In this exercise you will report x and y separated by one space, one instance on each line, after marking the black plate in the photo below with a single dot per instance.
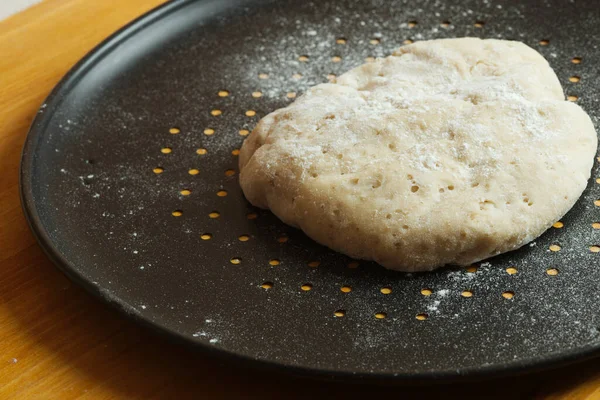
106 219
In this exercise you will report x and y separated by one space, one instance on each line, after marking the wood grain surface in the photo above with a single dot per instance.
56 341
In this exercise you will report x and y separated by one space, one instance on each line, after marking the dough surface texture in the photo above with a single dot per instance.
446 152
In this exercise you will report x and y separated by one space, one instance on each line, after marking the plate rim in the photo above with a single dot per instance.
28 203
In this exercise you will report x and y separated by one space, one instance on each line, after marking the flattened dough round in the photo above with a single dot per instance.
447 152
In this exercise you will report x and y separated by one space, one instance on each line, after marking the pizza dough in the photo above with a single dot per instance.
447 152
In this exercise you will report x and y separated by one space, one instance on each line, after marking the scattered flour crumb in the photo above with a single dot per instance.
434 306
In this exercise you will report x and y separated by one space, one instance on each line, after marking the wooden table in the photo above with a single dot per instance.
58 342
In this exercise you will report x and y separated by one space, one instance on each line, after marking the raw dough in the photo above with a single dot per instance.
447 152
